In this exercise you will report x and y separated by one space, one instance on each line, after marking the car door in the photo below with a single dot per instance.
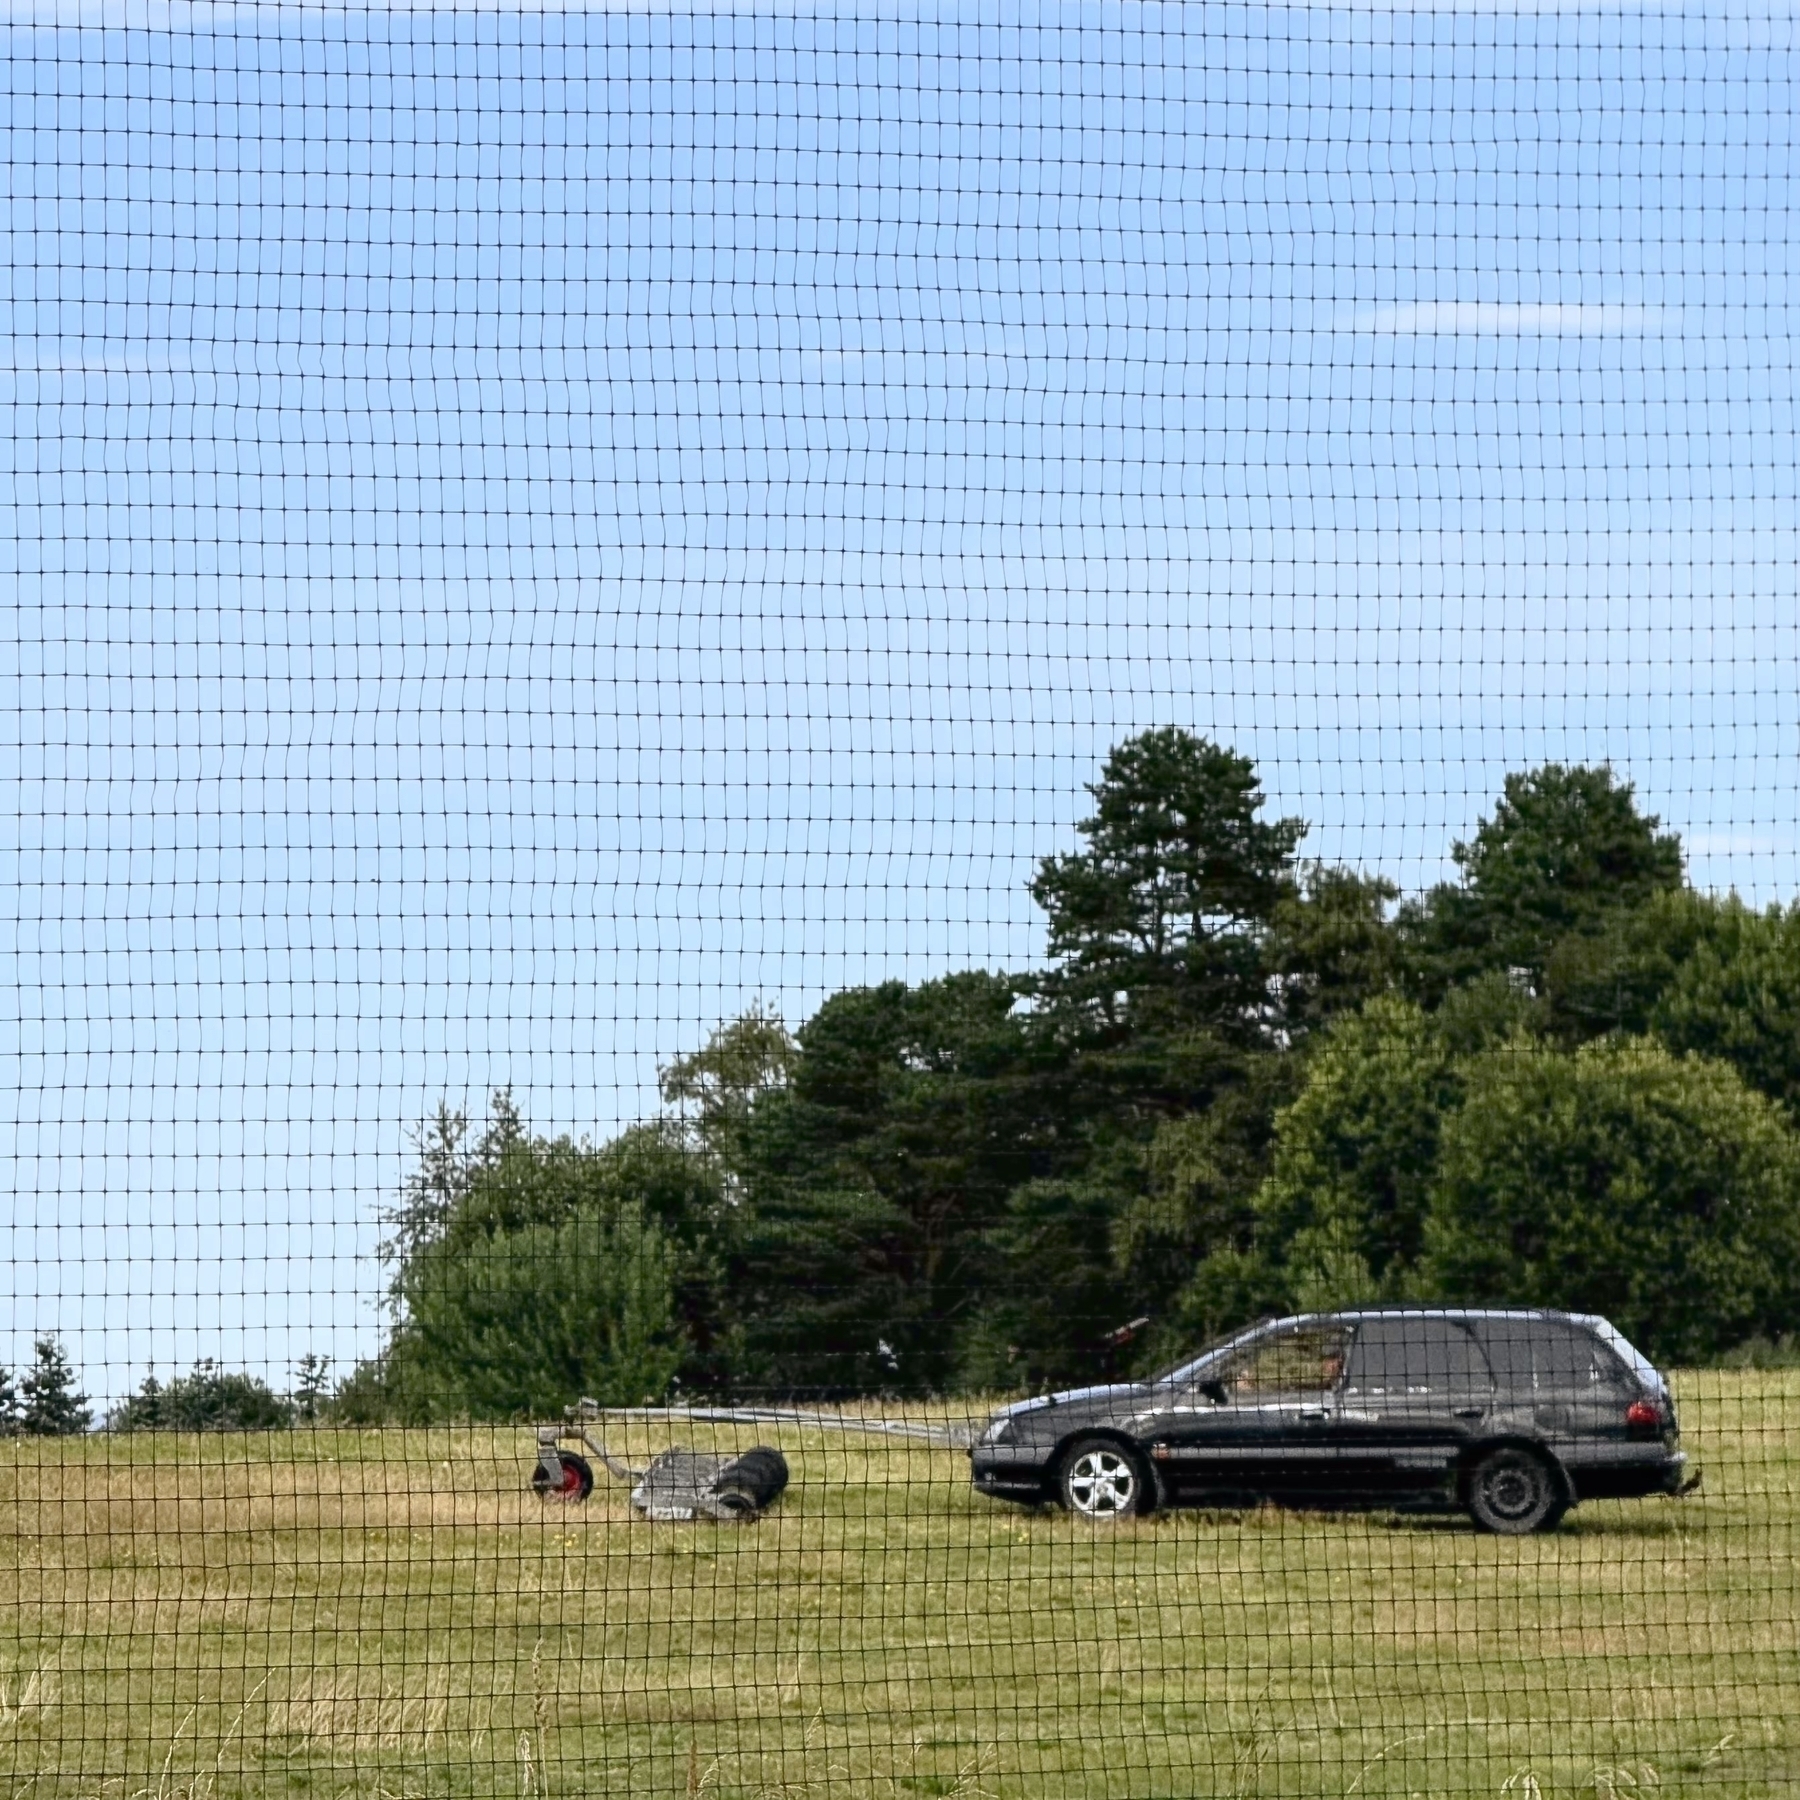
1417 1389
1561 1383
1258 1425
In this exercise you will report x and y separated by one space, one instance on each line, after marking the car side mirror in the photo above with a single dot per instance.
1214 1390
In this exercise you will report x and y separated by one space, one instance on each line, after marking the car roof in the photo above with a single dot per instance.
1355 1315
1463 1314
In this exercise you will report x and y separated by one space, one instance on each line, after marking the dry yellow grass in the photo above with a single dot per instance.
340 1613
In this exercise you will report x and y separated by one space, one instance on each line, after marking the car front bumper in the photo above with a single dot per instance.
1011 1471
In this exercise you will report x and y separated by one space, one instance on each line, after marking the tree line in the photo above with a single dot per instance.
1242 1082
44 1400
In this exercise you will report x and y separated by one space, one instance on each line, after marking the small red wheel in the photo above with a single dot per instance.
576 1484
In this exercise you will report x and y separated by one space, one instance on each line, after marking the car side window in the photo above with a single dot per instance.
1545 1354
1308 1360
1392 1358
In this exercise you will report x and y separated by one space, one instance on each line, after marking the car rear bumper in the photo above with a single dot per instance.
1670 1473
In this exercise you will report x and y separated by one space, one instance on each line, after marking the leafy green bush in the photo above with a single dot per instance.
1760 1352
524 1322
1431 1157
207 1399
1343 1211
1737 998
1660 1190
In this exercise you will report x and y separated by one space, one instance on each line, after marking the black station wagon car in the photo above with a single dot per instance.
1514 1415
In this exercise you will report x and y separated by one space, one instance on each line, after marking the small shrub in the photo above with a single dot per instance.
209 1399
1781 1351
49 1404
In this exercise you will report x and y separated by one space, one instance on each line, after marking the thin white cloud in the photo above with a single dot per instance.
1498 318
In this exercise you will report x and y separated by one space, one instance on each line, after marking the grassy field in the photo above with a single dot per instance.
345 1613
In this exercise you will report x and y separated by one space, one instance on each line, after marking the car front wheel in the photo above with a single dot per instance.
1102 1481
1514 1491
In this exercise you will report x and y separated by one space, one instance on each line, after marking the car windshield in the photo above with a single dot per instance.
1191 1367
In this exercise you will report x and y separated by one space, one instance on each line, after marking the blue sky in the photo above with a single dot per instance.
521 531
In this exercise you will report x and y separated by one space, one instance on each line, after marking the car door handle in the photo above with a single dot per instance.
1470 1412
1316 1413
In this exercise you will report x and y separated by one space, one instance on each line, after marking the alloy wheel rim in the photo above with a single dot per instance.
1102 1483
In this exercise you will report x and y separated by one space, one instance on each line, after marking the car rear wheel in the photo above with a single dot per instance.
1102 1480
1514 1491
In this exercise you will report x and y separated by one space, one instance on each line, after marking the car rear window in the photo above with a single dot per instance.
1548 1353
1392 1357
1633 1358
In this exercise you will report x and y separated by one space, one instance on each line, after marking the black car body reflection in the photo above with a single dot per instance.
1514 1415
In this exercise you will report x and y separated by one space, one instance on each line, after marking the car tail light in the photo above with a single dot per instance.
1644 1413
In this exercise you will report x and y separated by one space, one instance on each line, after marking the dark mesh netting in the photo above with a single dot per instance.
899 901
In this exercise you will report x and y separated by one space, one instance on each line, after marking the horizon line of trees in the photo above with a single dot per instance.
1243 1082
44 1400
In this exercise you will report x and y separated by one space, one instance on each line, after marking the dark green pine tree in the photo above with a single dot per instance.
52 1407
1565 853
871 1179
312 1387
1186 951
1160 919
10 1420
